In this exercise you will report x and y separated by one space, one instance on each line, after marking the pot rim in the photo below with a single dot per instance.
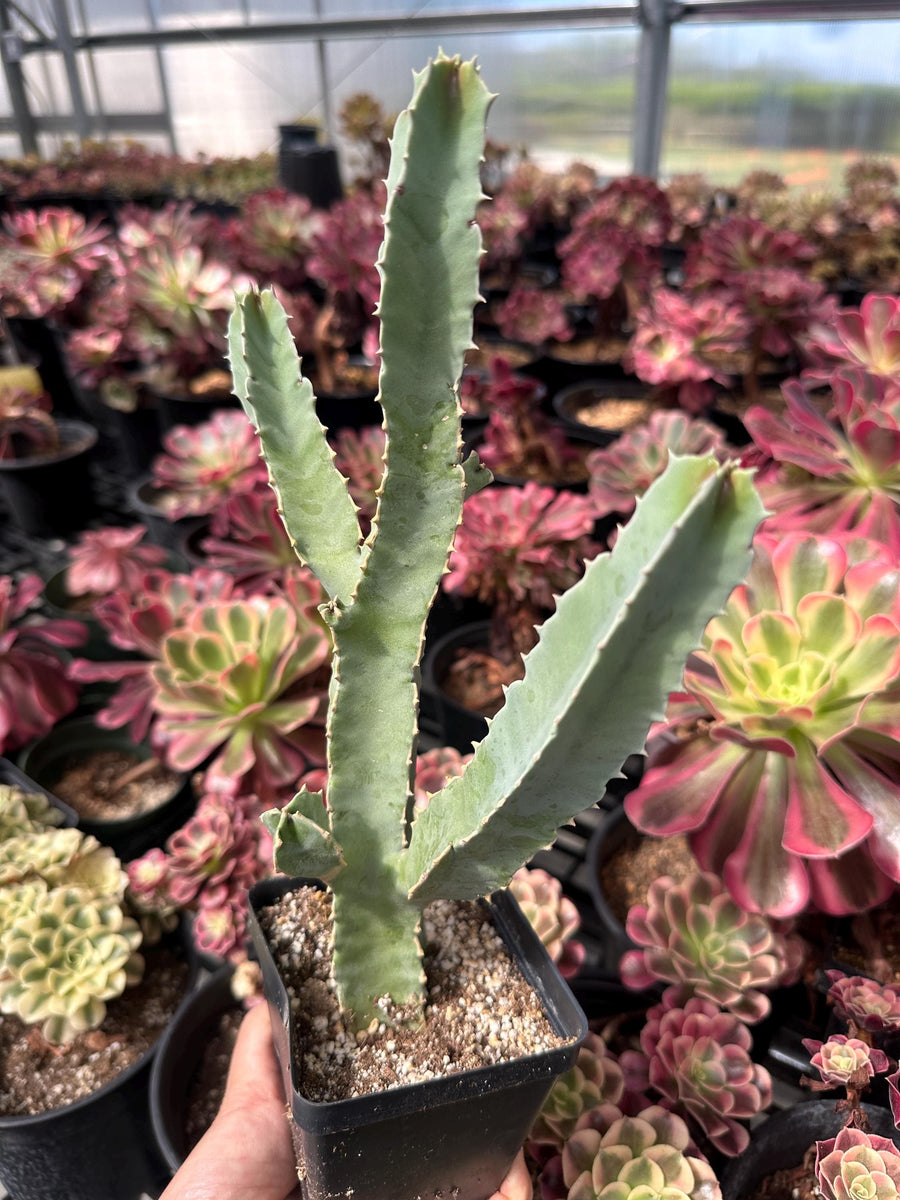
560 1006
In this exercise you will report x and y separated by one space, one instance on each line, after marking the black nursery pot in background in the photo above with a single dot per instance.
453 1136
177 1058
98 1148
51 495
459 727
45 760
782 1140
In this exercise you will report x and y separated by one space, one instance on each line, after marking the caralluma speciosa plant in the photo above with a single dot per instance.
556 741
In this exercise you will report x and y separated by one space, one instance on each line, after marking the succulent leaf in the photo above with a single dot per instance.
281 406
471 838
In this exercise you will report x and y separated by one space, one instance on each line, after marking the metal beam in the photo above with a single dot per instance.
652 82
11 57
790 10
62 123
422 24
324 79
65 43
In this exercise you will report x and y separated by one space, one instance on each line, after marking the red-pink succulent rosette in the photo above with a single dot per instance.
837 474
34 690
841 1060
783 759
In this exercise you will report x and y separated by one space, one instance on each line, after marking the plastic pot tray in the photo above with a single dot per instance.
453 1136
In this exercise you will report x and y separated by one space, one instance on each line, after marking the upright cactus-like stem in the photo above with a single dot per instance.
586 702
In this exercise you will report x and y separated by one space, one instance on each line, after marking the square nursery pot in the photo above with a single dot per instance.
453 1136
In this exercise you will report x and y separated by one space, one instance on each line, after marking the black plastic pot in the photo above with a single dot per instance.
99 1148
452 1136
136 433
559 372
38 340
130 837
160 530
348 410
58 603
568 400
782 1140
460 727
610 835
175 410
177 1057
312 171
51 495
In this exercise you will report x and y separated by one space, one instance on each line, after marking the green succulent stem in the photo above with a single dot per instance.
605 662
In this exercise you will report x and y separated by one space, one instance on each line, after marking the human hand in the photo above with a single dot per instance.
246 1154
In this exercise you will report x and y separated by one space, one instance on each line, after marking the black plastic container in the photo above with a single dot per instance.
782 1140
51 495
38 341
567 401
177 1057
131 836
136 434
452 1136
312 171
58 603
610 835
348 410
160 530
460 727
175 410
99 1148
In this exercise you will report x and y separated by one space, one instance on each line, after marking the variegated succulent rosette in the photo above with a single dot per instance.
67 942
833 474
694 935
785 763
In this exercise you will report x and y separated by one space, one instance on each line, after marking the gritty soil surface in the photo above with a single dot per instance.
615 413
476 681
607 349
479 1009
216 384
81 604
207 1086
567 475
482 356
627 874
352 379
791 1183
36 1077
868 943
110 785
736 403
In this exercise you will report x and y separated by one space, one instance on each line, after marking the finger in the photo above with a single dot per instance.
253 1076
246 1154
517 1184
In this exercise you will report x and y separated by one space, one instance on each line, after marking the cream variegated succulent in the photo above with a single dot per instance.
595 1079
636 1158
66 957
693 934
61 857
25 812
